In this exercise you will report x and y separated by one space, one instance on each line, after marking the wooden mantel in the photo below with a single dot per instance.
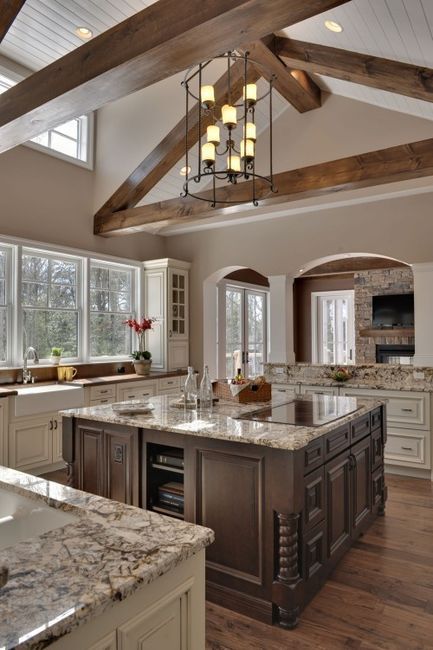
391 332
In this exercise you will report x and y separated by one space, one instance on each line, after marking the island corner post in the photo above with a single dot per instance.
282 519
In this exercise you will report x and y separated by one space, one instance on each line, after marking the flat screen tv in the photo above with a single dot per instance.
393 311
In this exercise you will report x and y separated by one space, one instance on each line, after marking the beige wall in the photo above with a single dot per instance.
48 200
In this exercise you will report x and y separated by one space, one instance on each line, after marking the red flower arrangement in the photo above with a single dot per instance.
140 327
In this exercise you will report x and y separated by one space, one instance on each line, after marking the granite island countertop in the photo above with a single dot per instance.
65 577
222 423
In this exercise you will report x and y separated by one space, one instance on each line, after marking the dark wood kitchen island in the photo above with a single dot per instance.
286 501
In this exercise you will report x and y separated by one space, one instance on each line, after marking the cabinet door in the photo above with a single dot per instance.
164 627
178 355
155 300
338 496
178 304
361 484
90 454
121 458
57 439
30 443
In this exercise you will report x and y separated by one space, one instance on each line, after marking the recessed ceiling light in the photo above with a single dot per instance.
333 26
185 170
84 32
301 270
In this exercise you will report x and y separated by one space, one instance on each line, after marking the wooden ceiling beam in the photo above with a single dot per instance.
399 163
149 46
294 85
172 148
9 10
375 72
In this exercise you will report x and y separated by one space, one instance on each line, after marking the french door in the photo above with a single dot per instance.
242 330
333 327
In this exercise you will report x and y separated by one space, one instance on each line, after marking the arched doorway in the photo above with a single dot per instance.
336 302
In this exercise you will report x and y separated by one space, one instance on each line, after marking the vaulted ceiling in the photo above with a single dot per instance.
398 30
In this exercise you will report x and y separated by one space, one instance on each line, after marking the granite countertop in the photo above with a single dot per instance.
420 387
63 578
221 424
7 392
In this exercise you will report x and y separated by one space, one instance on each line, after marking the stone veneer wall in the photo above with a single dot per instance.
375 283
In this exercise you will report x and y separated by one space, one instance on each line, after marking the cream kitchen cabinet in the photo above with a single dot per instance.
35 442
4 431
167 614
166 290
318 390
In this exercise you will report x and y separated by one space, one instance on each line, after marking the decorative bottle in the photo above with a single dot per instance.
206 391
191 386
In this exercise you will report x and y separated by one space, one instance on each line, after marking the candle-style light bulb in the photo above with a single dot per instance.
233 164
229 115
247 150
250 131
207 96
213 134
250 94
208 154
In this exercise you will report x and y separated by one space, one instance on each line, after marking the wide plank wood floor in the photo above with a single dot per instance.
380 595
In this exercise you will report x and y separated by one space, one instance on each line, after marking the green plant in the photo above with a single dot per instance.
141 355
56 352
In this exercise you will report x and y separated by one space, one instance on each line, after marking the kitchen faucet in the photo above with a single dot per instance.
30 353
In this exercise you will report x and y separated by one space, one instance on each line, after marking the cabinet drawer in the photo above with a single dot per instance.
170 391
136 390
337 441
405 409
406 449
376 419
97 392
313 456
318 390
169 383
360 428
102 400
288 390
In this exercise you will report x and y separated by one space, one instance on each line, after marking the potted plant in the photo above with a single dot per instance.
55 357
142 357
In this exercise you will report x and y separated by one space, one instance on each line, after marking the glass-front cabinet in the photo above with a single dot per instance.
166 299
178 303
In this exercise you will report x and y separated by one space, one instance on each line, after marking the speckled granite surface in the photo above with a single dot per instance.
63 578
222 423
379 376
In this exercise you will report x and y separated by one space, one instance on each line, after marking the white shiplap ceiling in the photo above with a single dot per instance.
44 30
393 29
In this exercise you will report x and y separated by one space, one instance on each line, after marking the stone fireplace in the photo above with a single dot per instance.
374 283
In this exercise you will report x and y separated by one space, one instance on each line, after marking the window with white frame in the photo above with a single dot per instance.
4 305
112 301
72 140
50 288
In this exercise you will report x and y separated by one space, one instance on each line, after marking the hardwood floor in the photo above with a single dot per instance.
380 595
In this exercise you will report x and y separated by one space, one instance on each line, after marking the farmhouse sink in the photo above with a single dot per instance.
22 518
32 400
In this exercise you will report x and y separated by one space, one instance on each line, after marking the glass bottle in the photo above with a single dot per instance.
191 386
206 391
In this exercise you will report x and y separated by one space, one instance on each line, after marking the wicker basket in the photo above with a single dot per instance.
263 393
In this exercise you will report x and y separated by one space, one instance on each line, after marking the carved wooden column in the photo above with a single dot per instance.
287 563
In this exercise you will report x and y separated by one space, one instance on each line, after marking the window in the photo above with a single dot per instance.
111 303
72 140
4 305
333 327
50 303
243 330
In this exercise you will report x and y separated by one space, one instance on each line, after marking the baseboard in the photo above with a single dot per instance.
256 608
411 472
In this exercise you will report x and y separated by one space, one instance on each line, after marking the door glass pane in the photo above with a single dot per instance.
233 331
256 305
335 329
